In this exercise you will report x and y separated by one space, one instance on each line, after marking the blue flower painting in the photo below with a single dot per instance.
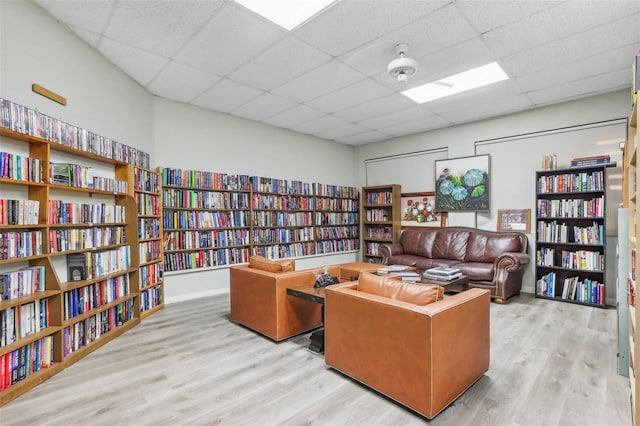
462 184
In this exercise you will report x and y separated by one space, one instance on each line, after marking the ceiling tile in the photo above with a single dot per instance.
140 65
89 16
91 38
349 24
161 29
321 123
349 96
226 95
488 109
321 80
403 116
363 138
488 15
418 126
342 131
294 116
230 39
288 59
375 108
181 83
262 107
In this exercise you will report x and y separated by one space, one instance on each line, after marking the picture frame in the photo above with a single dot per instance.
462 184
514 220
418 211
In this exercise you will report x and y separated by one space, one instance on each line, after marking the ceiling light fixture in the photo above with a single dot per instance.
458 83
286 13
402 68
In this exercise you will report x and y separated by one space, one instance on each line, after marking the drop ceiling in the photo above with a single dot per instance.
328 78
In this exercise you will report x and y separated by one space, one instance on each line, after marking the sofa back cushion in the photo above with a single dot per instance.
487 246
392 288
450 243
264 264
418 242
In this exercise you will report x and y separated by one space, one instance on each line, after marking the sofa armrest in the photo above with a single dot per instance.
388 250
512 261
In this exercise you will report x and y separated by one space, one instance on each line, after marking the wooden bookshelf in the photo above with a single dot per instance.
570 235
336 218
63 197
381 219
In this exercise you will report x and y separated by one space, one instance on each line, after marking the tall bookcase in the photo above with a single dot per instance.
630 200
145 187
336 218
381 216
570 235
68 255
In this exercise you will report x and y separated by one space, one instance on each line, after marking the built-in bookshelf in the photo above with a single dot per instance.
214 220
570 235
68 246
381 219
629 201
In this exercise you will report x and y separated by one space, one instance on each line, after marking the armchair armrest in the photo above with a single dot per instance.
388 250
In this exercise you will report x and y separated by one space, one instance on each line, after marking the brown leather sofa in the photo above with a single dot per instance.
422 356
495 261
259 299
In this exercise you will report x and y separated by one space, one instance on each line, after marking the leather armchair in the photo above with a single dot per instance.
423 357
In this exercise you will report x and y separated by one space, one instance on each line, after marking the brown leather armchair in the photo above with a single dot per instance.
423 357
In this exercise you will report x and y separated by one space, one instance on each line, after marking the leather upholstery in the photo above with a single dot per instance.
393 288
491 260
260 302
423 357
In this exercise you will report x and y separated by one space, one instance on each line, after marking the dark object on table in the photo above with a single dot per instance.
324 280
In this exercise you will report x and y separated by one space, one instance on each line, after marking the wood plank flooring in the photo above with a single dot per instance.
551 364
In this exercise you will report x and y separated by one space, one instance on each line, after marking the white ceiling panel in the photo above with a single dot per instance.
140 65
503 89
232 37
363 138
288 59
375 108
488 109
91 38
181 83
294 116
487 15
319 124
349 96
396 118
428 123
89 16
225 96
342 131
262 107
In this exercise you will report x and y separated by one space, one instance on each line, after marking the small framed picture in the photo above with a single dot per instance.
514 220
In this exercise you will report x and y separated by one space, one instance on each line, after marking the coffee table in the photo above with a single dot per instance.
457 284
309 292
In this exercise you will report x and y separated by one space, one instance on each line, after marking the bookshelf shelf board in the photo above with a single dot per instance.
570 244
85 250
149 286
151 262
5 304
560 268
150 311
87 225
70 285
22 259
23 386
102 340
87 190
10 227
146 240
22 182
140 191
22 341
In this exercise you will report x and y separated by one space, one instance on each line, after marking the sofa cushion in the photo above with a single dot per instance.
450 244
264 264
392 288
487 247
477 271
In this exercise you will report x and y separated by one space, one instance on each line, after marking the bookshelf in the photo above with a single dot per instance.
381 216
570 235
629 201
145 187
68 246
336 218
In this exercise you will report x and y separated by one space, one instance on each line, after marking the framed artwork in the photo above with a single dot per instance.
418 211
462 184
514 220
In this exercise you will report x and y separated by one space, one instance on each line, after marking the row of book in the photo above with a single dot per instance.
145 180
150 251
571 208
82 333
595 160
380 233
21 363
204 180
580 259
186 240
90 265
20 167
372 249
554 232
442 273
67 239
25 120
276 218
151 274
336 191
336 232
571 288
79 176
19 212
18 322
148 205
382 197
337 204
180 219
23 282
549 162
571 182
61 212
280 186
184 198
148 227
376 215
20 244
274 236
336 218
82 300
336 246
283 251
281 202
150 298
180 261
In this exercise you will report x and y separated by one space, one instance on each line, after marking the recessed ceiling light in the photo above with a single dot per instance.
286 13
458 83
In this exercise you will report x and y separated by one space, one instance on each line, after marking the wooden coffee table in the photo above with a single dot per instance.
457 284
309 292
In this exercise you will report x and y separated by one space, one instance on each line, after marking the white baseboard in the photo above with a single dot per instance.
192 296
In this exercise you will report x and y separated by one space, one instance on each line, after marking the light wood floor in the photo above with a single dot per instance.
551 364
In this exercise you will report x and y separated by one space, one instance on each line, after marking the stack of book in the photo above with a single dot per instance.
392 269
591 161
442 273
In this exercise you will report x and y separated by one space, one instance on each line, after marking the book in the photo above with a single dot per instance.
443 271
438 277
